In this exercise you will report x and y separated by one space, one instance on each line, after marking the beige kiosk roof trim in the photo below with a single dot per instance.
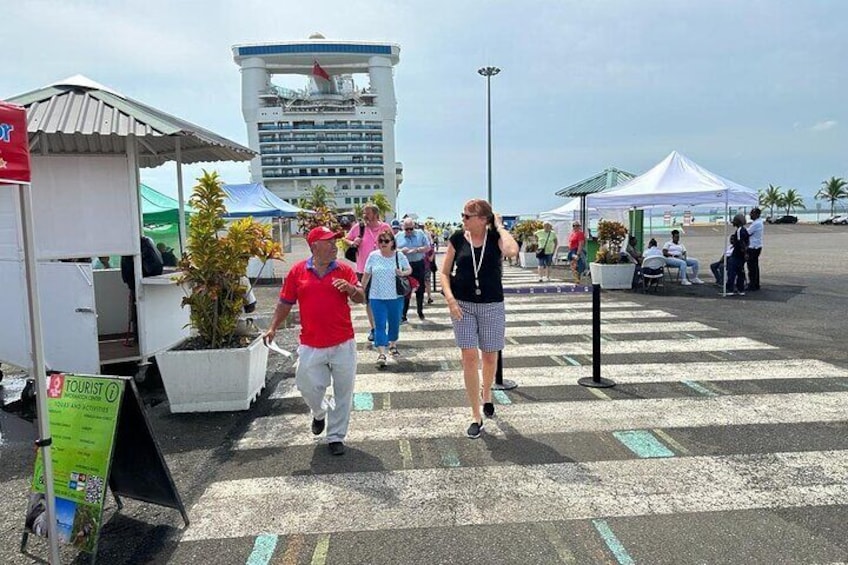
80 116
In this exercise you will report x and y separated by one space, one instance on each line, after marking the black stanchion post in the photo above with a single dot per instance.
596 381
501 383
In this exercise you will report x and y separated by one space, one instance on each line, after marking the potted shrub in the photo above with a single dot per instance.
524 231
607 268
221 366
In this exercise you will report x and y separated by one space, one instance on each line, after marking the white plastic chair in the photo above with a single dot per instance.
657 264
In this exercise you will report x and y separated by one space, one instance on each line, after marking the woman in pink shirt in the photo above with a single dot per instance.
366 242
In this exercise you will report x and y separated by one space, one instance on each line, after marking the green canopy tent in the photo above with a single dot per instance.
161 217
158 209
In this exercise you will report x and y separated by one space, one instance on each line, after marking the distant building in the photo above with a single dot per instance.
332 132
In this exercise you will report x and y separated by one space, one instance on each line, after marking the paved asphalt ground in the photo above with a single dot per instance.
725 440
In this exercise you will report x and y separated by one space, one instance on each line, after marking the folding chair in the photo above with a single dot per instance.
653 271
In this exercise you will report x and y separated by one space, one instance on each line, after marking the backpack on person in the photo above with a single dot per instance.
352 250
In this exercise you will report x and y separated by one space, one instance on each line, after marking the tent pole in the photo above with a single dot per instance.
181 227
38 371
724 245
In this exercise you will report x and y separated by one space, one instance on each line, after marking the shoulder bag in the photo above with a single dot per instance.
350 252
403 285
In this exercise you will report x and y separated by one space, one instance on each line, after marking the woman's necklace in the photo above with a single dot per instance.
477 265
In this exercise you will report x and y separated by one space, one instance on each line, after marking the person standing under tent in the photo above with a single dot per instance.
739 240
475 297
755 232
576 250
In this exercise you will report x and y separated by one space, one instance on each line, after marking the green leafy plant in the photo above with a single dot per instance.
525 230
611 234
215 262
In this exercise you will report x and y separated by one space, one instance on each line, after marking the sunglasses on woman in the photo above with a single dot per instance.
384 240
467 216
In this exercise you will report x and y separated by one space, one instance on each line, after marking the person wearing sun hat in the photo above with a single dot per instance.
323 289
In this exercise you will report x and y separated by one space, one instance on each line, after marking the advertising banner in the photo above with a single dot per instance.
14 145
84 413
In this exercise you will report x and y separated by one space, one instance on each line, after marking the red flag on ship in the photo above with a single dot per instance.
14 144
319 72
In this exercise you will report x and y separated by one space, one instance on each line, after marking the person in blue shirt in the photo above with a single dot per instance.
414 243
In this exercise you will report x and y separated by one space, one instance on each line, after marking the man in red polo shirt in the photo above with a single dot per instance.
322 287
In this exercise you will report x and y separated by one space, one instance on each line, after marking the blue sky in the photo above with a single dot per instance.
754 91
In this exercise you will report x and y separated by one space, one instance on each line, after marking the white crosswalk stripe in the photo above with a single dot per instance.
585 348
564 417
431 381
421 332
452 497
444 315
724 382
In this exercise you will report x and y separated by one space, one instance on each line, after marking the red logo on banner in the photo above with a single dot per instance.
56 386
14 144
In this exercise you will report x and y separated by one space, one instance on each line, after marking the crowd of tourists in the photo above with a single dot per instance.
395 262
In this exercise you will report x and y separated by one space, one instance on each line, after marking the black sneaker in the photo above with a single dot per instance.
317 426
420 315
371 335
488 409
336 448
475 429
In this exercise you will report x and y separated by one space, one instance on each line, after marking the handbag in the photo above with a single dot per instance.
403 286
351 251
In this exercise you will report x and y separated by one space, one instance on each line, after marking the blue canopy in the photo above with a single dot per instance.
255 200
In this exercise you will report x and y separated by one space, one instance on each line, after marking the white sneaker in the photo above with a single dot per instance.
696 280
684 282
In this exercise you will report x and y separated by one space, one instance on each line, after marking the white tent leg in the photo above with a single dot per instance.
37 370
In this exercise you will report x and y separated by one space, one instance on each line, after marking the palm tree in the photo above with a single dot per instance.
771 198
319 197
833 191
791 199
382 204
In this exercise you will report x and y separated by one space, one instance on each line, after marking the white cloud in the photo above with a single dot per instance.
824 125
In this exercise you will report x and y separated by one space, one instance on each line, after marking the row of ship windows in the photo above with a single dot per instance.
322 150
278 173
272 126
287 161
288 138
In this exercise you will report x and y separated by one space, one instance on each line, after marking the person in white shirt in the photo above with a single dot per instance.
652 250
755 247
675 256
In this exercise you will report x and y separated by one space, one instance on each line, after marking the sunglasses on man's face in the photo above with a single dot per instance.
408 229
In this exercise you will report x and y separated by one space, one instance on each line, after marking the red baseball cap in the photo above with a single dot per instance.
321 233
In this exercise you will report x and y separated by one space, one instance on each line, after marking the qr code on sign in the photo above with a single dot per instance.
93 489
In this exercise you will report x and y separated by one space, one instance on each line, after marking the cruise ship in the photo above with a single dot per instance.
332 132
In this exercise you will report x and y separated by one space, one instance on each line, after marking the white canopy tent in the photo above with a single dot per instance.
562 217
675 181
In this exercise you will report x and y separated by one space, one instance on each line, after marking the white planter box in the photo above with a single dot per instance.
613 277
528 260
214 380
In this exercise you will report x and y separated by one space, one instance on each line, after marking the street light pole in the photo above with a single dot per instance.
489 72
